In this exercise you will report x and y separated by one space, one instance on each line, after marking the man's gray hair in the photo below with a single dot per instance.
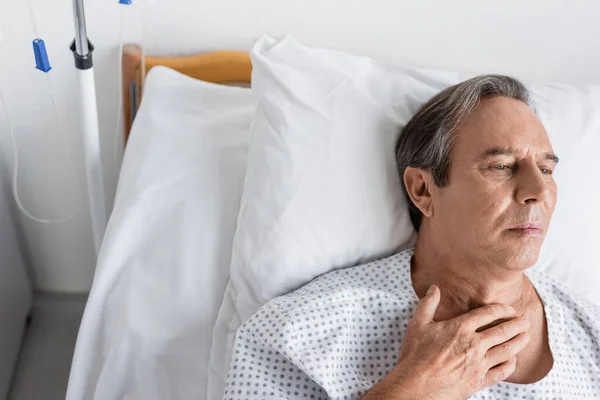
426 141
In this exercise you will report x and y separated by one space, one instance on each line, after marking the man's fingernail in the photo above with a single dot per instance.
431 289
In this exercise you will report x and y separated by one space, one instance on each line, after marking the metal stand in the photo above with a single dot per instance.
82 51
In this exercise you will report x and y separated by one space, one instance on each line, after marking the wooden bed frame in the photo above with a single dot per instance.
216 67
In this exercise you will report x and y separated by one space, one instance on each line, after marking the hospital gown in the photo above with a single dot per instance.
336 337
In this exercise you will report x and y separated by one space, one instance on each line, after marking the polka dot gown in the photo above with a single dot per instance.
337 336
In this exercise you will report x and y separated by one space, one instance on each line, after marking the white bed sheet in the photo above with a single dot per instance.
164 263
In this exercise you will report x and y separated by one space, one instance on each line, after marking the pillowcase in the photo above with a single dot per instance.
322 191
164 264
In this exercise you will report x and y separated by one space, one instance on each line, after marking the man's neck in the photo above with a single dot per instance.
467 284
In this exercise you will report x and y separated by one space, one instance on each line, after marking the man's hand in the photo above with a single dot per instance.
451 359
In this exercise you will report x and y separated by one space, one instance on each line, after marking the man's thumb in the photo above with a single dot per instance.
427 306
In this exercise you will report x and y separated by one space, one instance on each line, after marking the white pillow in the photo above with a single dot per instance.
322 189
147 329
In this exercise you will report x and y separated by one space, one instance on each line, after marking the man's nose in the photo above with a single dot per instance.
533 185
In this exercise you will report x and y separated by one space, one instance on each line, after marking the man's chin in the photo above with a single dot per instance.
520 257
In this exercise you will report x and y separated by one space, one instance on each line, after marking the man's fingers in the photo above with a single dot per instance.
427 306
501 372
501 333
506 351
485 315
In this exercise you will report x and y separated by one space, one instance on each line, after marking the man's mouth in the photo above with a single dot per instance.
530 228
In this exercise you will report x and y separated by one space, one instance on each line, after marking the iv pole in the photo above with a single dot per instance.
82 51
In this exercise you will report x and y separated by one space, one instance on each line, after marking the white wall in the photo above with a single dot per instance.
540 40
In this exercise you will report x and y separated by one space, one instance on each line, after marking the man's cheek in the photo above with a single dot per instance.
485 212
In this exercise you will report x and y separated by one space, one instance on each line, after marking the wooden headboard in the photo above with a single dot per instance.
215 67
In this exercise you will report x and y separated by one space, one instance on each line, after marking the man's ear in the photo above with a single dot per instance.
418 185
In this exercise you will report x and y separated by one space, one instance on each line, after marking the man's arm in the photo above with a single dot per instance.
259 369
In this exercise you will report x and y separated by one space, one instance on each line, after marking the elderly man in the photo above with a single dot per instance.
457 316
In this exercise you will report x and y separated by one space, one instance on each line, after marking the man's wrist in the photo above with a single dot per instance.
398 385
408 383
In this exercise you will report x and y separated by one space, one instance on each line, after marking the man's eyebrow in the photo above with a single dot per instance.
507 151
552 157
498 151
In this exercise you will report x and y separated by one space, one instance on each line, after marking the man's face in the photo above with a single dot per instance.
501 195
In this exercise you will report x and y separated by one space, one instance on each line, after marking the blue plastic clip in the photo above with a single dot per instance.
41 56
125 2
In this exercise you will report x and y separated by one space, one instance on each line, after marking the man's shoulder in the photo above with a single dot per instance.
558 290
383 277
375 284
572 304
360 311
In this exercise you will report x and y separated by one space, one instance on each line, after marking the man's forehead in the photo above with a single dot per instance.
502 125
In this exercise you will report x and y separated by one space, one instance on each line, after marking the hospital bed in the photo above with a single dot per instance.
163 272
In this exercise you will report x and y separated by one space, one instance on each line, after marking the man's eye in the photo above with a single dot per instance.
502 167
546 171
